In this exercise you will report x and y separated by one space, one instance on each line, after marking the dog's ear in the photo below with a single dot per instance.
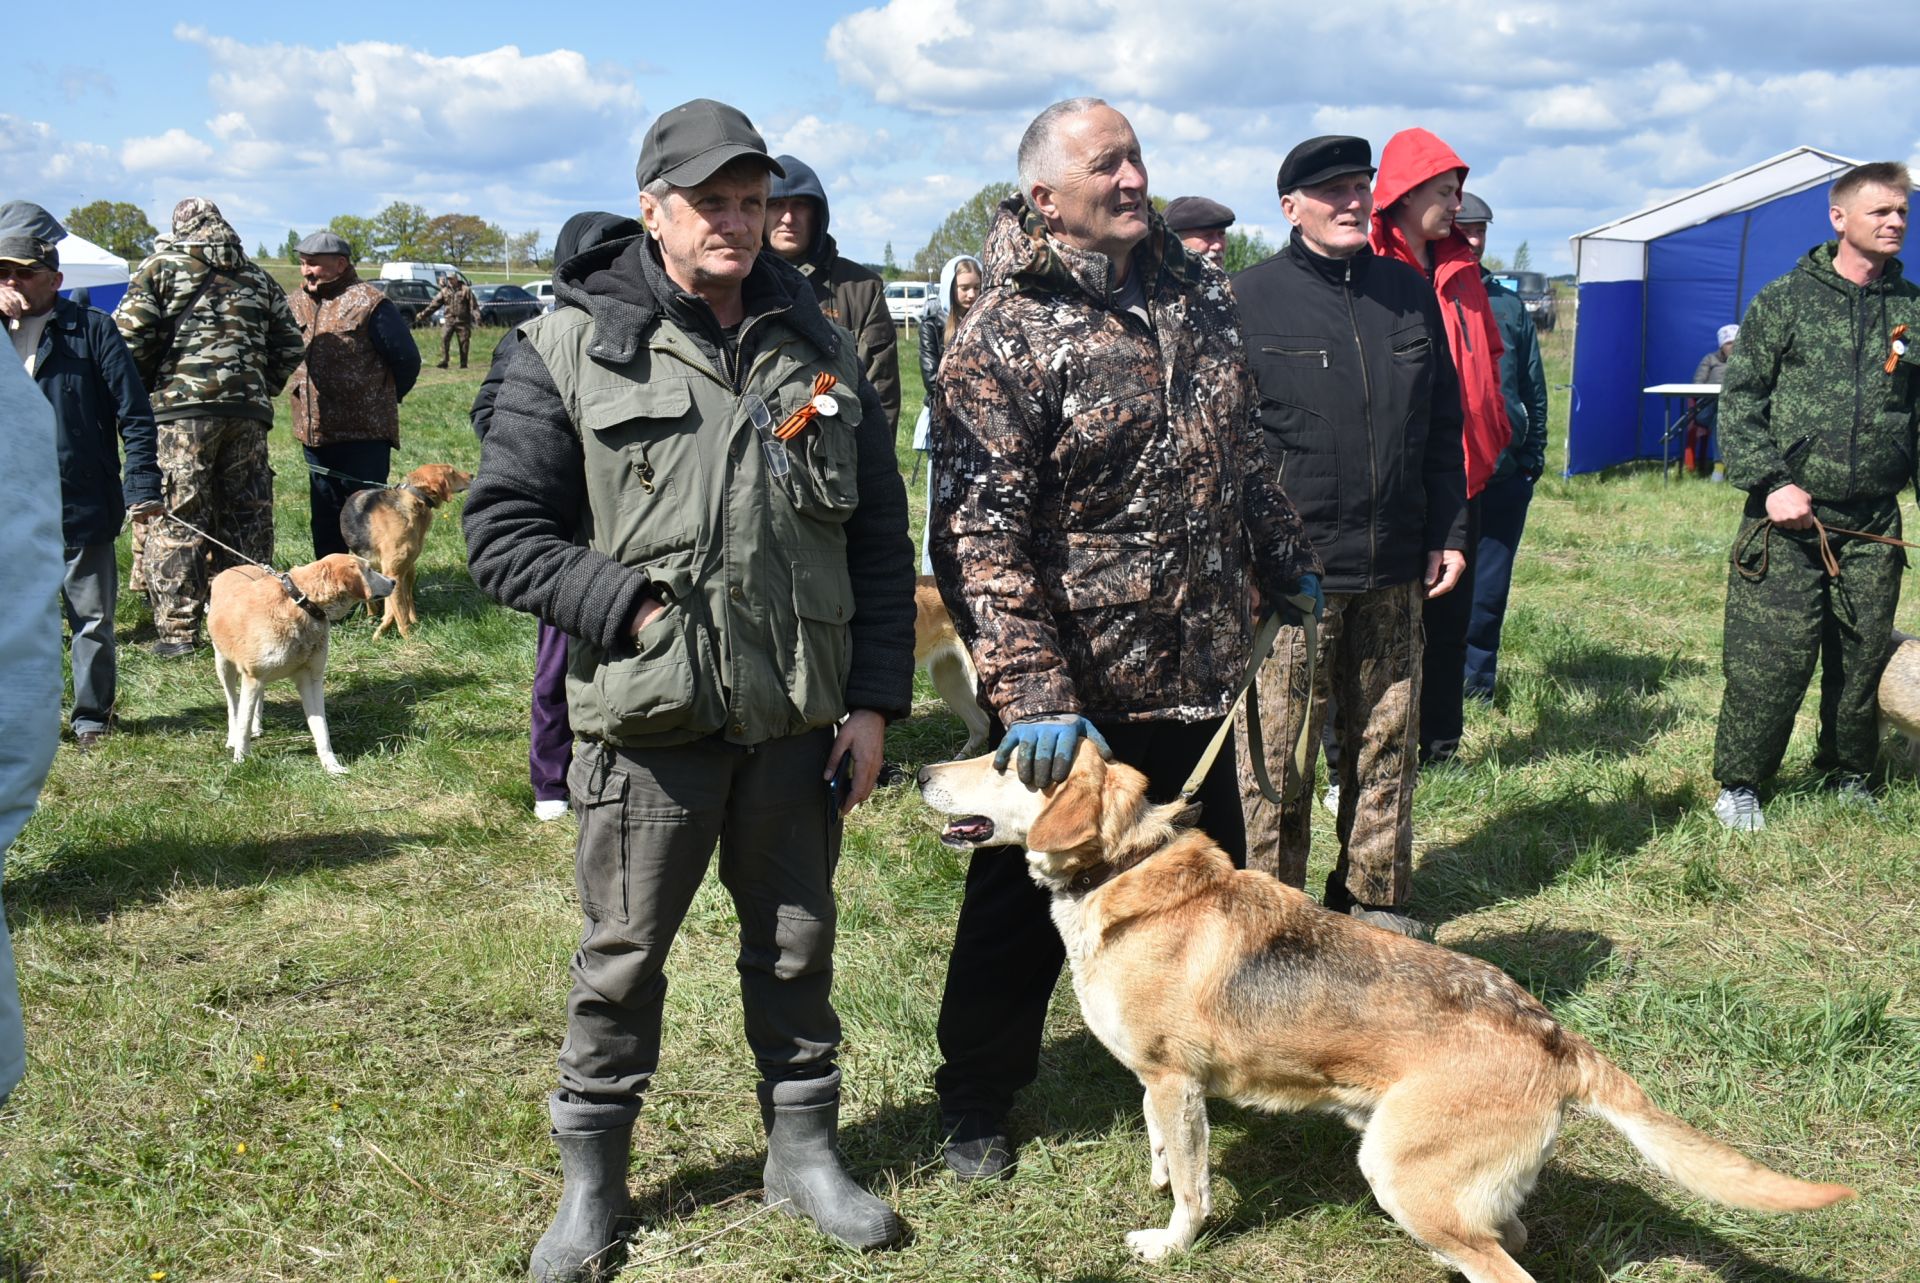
1071 817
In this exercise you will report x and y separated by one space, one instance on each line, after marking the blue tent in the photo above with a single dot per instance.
1655 286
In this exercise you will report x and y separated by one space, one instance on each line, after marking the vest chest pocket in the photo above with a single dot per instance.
826 457
664 684
823 644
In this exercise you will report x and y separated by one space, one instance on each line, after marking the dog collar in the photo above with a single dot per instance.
419 494
300 599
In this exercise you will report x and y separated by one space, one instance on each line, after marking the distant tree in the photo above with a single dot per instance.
260 251
524 247
889 265
456 236
1523 258
357 232
399 231
117 226
1493 262
1244 249
965 230
289 251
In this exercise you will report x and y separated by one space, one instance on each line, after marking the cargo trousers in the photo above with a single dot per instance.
1370 663
649 821
1783 612
214 474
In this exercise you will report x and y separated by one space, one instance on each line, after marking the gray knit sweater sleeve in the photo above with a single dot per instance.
526 502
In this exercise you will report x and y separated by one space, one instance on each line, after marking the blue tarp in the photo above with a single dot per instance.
1634 334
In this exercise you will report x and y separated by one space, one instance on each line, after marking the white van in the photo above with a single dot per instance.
907 301
428 272
541 290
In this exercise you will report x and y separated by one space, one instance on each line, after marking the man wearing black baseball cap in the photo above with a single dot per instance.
1361 409
688 473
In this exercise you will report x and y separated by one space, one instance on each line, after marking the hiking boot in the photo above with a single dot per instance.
1438 752
1739 809
87 741
583 1243
977 1148
804 1176
181 649
1388 919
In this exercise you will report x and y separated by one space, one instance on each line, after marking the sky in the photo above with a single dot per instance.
1569 113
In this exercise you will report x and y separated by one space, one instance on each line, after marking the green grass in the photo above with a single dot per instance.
360 980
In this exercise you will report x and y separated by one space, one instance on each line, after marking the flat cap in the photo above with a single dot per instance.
1318 160
1473 210
1184 213
690 143
325 243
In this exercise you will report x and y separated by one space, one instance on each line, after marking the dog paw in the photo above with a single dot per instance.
1154 1245
1159 1179
333 766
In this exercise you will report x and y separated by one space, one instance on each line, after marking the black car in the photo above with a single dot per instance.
507 305
411 297
1535 291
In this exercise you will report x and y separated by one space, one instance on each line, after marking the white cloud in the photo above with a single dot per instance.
170 153
1572 107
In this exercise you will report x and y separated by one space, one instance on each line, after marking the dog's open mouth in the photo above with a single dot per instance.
968 830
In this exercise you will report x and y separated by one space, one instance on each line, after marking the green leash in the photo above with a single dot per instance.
1263 639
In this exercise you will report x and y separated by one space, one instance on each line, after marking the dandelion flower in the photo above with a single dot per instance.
241 1148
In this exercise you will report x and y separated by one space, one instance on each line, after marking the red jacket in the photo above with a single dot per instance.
1409 159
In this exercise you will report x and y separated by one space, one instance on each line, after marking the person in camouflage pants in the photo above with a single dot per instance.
458 309
215 342
1817 423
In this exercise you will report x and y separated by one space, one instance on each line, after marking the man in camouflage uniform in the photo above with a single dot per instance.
213 338
1817 424
458 309
1100 487
1361 408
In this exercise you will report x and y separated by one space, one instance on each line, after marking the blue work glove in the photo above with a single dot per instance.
1307 586
1042 748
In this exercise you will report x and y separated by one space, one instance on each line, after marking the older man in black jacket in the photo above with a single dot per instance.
77 357
1361 408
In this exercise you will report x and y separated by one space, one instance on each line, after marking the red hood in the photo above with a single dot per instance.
1410 158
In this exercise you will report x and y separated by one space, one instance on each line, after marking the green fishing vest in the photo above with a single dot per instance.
754 641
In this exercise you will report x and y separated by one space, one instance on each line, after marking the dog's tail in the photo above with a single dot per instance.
1689 1157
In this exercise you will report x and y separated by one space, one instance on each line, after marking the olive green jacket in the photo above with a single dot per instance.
1808 397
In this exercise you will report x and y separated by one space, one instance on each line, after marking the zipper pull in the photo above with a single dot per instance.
1323 358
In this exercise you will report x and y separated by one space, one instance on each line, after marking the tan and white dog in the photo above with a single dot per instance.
388 527
1210 981
261 633
1899 693
938 649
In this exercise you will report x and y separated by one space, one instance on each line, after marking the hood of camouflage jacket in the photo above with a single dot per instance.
1818 263
1021 253
205 235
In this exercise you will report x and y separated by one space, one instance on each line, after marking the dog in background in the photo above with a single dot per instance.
938 649
388 527
1204 980
1900 693
265 627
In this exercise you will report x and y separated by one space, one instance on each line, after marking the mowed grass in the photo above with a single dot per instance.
289 1027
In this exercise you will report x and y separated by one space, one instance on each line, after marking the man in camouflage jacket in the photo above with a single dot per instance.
1817 424
213 339
1102 505
458 309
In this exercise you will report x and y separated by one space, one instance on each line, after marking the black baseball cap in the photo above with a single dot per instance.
689 144
29 251
1327 157
1184 213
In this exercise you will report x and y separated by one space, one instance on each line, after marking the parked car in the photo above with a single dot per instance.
1536 291
507 305
410 296
907 301
542 291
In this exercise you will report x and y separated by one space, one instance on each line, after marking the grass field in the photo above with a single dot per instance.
290 1027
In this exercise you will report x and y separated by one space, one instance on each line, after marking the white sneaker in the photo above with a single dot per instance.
1739 809
1331 801
550 808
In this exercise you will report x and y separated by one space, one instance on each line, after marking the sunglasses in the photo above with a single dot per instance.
16 272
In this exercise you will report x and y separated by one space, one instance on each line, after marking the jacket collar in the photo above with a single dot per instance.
1335 271
1021 253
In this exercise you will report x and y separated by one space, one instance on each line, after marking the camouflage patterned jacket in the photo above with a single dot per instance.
459 305
233 352
1808 398
1101 482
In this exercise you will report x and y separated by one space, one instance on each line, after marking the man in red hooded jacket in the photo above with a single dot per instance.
1415 196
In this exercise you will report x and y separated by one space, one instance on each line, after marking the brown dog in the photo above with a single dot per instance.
389 526
1204 980
938 649
262 632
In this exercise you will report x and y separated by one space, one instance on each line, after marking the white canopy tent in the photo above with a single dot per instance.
85 265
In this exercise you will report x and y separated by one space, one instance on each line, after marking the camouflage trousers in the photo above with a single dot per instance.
447 333
1369 662
213 473
1789 613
